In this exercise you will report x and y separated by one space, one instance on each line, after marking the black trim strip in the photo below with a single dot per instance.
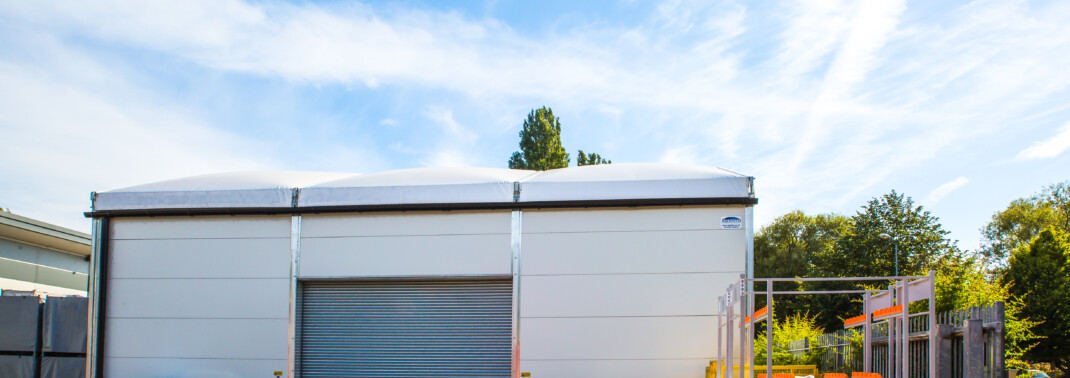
747 201
102 298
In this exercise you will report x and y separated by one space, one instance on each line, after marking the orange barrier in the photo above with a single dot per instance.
757 314
780 375
863 375
888 311
835 375
761 312
851 322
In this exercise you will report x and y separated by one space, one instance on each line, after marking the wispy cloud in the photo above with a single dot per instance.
942 191
1048 148
823 101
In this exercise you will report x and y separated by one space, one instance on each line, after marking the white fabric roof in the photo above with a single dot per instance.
417 186
633 181
429 186
221 190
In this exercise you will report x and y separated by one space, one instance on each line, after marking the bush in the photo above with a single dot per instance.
796 327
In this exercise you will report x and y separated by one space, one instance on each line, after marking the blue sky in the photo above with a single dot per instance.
962 105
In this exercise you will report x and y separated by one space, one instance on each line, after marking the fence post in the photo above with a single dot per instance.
943 359
998 365
973 348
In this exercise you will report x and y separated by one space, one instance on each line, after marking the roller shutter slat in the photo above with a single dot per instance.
448 328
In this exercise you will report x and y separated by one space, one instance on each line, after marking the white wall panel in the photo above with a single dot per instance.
235 227
200 258
197 338
633 252
199 298
406 256
408 223
619 295
191 368
629 219
685 337
686 368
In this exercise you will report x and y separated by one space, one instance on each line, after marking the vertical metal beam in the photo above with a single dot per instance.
867 342
516 229
295 260
748 224
890 362
904 339
933 335
973 348
98 299
769 328
91 335
742 328
730 302
720 341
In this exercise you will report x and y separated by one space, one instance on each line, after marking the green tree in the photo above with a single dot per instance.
963 282
1039 274
1024 219
920 239
922 244
540 143
786 248
592 159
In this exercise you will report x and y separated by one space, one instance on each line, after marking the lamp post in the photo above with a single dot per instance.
894 240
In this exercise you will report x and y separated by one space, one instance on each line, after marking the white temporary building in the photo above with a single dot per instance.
595 271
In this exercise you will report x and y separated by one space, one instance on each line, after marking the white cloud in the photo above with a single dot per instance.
942 191
834 100
61 142
1048 148
455 148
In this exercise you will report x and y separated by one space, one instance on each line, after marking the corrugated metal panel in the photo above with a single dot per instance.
446 328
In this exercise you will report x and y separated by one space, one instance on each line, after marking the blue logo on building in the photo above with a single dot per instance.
731 223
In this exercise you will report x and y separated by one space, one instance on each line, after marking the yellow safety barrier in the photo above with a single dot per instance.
796 370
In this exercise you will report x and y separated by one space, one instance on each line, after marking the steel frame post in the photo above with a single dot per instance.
516 231
933 332
890 362
904 336
295 260
867 346
728 330
769 328
742 328
750 327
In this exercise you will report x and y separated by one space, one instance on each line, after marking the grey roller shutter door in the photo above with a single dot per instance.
447 328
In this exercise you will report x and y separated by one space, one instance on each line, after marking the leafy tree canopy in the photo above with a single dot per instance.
592 159
786 247
540 143
920 238
1025 218
1039 274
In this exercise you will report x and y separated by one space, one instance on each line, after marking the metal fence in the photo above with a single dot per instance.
971 345
42 339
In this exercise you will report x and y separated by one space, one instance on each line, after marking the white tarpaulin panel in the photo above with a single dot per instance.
417 186
223 190
633 181
430 186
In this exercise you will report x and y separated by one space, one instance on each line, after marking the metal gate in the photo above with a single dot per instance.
443 328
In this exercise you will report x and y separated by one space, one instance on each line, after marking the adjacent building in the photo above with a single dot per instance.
38 258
